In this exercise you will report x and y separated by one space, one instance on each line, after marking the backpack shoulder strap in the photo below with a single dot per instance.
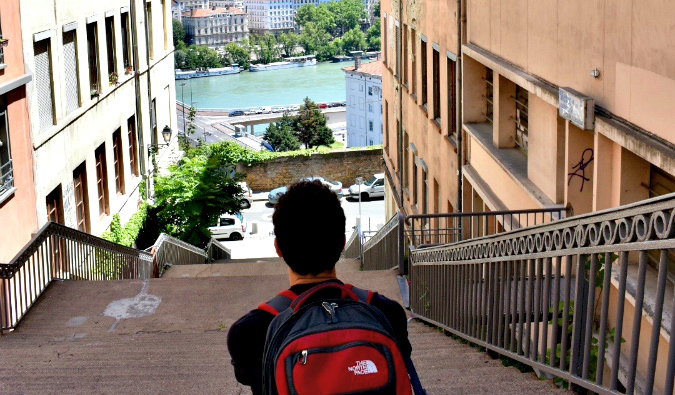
278 303
365 296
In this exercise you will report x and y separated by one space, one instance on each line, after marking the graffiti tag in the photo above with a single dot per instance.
580 168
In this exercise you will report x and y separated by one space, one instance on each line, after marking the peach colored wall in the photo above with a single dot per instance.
629 41
546 152
579 192
17 213
436 21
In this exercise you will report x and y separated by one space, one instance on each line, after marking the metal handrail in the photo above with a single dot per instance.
569 278
57 252
384 250
215 251
168 251
354 246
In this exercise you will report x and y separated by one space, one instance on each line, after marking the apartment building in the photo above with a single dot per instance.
18 218
419 101
562 105
275 16
101 95
215 27
363 83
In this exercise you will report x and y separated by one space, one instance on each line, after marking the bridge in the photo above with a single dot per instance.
516 291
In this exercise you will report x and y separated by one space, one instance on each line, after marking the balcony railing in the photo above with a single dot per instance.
6 175
569 298
431 229
61 253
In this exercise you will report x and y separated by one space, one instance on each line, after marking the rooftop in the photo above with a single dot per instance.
207 12
373 69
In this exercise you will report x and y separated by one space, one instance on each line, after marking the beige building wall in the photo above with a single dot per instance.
432 139
75 134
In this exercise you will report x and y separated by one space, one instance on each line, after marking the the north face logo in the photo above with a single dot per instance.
363 367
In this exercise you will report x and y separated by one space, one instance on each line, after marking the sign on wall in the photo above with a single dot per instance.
577 108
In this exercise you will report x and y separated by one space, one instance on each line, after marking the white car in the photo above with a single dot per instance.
373 187
250 112
279 109
230 226
265 110
247 195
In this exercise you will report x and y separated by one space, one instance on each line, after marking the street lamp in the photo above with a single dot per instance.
359 181
182 99
166 135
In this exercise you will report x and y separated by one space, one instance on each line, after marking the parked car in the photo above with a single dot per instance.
250 112
373 187
265 110
229 226
323 105
343 103
248 195
294 108
335 186
334 104
236 113
279 109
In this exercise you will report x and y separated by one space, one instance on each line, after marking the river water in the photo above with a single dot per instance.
321 83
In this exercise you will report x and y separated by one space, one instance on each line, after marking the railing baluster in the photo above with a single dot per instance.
528 307
670 369
566 312
507 306
590 309
637 321
484 302
521 307
536 307
500 307
602 338
546 301
656 322
621 298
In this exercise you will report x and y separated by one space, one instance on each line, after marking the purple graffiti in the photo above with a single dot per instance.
580 169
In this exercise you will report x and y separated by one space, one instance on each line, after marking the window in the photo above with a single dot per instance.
488 96
398 51
43 83
386 126
385 44
406 156
55 206
452 102
102 181
166 40
153 120
414 180
92 51
2 53
81 198
6 170
413 65
118 162
436 82
110 46
423 48
405 54
148 15
72 82
425 191
370 126
370 91
521 100
370 107
133 150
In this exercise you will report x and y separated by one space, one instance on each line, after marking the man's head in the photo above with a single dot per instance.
309 225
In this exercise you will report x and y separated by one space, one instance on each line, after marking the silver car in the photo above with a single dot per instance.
335 186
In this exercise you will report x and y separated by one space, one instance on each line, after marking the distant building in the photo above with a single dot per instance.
228 3
275 16
215 27
364 104
99 100
176 10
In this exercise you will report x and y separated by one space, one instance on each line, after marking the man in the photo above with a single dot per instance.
309 227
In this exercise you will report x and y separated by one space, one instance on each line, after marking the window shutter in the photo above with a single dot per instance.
70 68
43 84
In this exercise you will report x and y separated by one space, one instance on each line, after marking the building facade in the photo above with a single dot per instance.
530 105
215 27
17 194
363 83
102 92
271 16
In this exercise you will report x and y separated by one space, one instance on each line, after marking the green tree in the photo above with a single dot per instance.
235 53
376 11
281 136
348 14
311 127
201 56
179 59
354 40
305 14
196 192
265 47
327 51
178 32
312 38
288 41
373 36
192 128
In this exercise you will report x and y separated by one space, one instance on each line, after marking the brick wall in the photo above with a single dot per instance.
343 166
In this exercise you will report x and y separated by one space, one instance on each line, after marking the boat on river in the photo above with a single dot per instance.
341 58
186 75
289 63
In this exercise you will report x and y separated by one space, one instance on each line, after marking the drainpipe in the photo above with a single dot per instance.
137 88
147 72
461 6
399 49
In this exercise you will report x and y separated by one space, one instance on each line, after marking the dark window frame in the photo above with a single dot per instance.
102 181
436 85
111 46
424 87
80 192
92 57
118 162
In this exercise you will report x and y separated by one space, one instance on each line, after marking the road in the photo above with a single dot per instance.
261 244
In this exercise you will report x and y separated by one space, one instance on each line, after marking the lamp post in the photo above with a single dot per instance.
359 181
182 99
166 135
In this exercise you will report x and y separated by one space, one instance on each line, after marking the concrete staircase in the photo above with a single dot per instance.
168 335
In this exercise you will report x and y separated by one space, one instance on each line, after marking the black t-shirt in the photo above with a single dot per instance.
246 337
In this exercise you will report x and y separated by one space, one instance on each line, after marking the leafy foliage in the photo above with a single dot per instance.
373 36
354 40
201 187
281 135
194 57
237 53
126 235
265 47
178 32
288 42
311 127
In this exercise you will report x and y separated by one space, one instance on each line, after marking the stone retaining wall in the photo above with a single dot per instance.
343 166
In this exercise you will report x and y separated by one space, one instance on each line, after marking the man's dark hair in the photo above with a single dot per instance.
309 225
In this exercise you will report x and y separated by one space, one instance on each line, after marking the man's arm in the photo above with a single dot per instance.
397 318
246 343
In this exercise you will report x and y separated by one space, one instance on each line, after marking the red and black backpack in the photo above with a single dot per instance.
334 346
